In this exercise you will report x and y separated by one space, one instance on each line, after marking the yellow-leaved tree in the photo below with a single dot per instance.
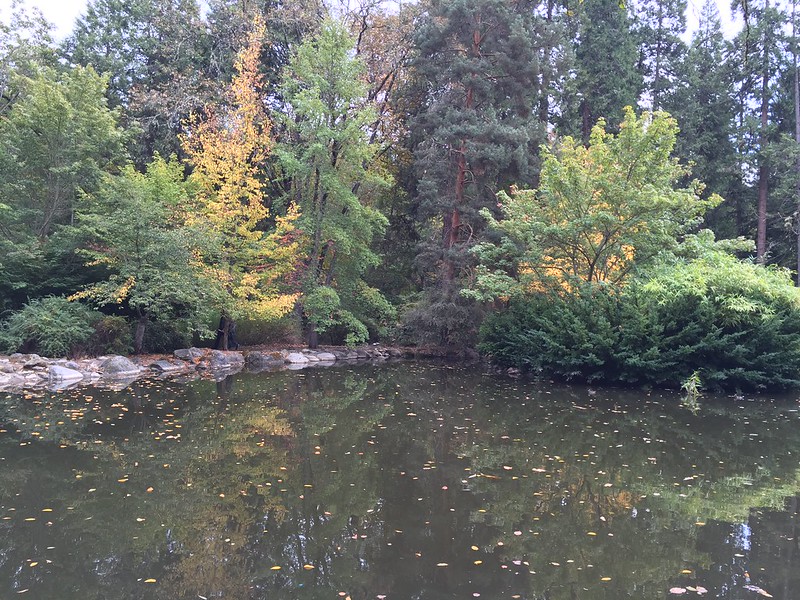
246 256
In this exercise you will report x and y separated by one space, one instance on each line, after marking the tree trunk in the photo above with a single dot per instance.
796 135
452 222
763 171
138 337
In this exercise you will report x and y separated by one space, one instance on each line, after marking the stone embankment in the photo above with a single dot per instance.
20 372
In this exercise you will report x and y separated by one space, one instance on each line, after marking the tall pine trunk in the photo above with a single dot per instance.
763 171
452 222
796 133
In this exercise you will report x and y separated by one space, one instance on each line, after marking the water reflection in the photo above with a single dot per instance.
395 481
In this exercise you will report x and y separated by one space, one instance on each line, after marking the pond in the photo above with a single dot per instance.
396 481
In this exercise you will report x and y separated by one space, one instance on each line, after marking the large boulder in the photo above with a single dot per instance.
58 373
165 366
189 353
257 361
119 366
296 358
226 360
326 356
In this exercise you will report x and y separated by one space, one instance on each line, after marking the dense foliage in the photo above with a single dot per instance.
736 323
349 172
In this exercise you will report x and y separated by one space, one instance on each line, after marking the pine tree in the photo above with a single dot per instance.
606 78
660 24
758 51
704 108
478 133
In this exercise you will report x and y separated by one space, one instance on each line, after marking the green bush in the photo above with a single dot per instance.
736 323
112 335
52 326
166 336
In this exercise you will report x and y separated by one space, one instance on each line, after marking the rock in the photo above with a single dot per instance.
71 364
361 353
258 360
34 360
11 381
57 373
189 353
326 356
226 360
6 366
118 366
164 366
296 358
312 357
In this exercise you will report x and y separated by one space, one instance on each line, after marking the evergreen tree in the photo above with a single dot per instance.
704 108
606 78
476 134
758 51
155 55
659 25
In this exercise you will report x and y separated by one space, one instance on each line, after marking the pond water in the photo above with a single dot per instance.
395 481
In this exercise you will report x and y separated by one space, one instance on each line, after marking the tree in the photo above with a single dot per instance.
25 44
134 226
329 158
475 134
156 56
703 104
758 50
598 212
59 139
228 149
660 25
606 78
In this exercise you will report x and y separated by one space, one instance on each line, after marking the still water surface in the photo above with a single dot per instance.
395 481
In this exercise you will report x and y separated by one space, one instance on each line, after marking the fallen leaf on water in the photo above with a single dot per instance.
605 579
677 590
33 564
441 564
308 567
151 580
275 568
758 590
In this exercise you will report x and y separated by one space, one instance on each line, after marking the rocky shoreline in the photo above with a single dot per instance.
21 372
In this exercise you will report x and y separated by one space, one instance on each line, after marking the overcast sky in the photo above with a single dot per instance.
63 13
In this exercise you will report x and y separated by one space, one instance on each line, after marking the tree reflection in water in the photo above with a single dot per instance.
403 480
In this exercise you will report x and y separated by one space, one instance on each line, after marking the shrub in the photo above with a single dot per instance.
52 326
735 323
165 336
112 335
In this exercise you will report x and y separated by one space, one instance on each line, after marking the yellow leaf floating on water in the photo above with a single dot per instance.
308 567
474 548
33 564
275 568
605 579
151 580
478 562
686 572
590 533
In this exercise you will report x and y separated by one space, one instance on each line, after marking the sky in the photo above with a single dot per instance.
64 12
